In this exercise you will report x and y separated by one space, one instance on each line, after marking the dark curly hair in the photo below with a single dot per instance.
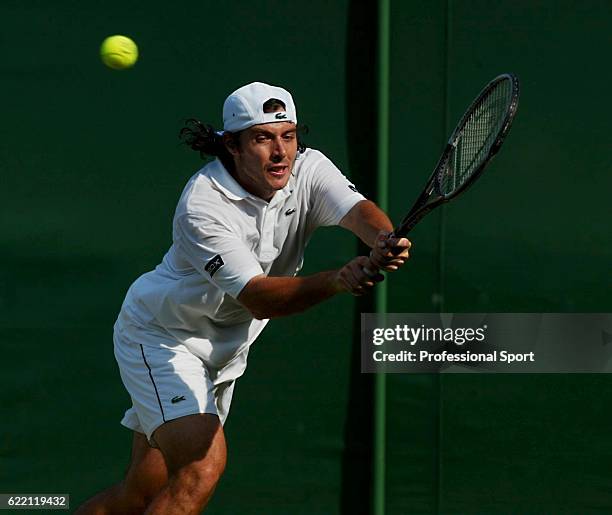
203 137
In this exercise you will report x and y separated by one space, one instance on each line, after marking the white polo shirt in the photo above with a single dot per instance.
223 237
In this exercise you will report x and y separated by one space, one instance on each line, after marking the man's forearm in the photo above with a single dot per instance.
366 220
270 297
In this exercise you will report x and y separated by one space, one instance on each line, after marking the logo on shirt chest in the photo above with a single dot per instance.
214 264
290 211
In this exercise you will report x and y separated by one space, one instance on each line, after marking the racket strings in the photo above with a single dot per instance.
478 135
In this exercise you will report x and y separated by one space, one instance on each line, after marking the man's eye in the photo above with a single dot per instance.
289 137
260 139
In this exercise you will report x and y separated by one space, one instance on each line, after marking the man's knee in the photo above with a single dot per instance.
146 476
202 475
120 499
134 500
145 479
137 496
198 480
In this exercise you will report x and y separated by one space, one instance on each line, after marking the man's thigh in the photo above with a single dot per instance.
193 439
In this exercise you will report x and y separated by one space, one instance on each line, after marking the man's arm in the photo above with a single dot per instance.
366 220
370 224
271 297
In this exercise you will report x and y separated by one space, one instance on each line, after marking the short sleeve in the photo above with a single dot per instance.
217 253
332 195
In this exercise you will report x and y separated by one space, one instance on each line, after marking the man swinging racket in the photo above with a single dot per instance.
185 329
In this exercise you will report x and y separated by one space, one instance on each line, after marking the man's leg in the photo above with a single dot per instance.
146 477
194 450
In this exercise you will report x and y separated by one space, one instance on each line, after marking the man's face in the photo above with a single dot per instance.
264 158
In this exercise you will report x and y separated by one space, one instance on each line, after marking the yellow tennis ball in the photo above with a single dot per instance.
119 52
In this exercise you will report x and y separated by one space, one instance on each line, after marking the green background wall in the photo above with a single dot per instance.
91 169
91 172
533 235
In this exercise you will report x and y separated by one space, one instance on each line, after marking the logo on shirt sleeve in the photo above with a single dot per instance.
214 264
352 188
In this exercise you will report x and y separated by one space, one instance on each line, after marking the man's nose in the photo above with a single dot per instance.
279 151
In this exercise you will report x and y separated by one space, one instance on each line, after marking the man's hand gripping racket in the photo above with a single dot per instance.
476 139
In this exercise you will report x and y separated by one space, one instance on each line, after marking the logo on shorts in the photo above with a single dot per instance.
214 264
176 399
280 116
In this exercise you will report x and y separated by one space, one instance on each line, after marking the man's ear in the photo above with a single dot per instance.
229 140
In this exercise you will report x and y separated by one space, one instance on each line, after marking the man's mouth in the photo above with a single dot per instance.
278 170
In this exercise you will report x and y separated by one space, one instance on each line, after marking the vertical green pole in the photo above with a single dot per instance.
442 268
381 289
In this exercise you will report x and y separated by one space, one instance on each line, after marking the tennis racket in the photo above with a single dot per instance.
476 139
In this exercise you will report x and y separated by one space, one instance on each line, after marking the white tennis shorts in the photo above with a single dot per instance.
167 382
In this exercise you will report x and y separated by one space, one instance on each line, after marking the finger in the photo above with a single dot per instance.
372 264
392 266
403 242
371 280
398 243
389 257
357 275
349 280
390 260
381 238
381 257
397 261
363 279
370 270
405 254
353 289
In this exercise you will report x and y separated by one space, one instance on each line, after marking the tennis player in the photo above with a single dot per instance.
185 329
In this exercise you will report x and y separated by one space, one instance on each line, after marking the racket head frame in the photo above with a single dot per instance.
432 196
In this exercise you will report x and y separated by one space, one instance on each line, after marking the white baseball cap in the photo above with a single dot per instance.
244 107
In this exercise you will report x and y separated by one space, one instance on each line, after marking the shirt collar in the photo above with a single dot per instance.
226 183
